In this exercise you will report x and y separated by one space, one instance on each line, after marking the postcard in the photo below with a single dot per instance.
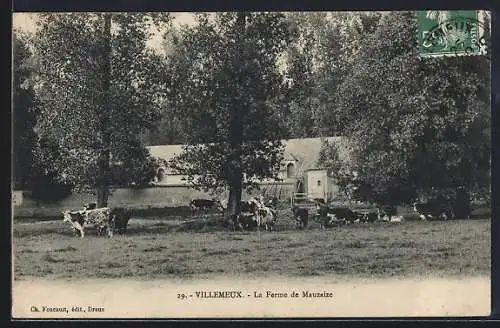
251 164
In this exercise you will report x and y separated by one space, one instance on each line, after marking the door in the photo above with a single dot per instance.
316 184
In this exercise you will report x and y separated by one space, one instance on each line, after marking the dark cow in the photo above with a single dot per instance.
247 221
330 220
234 222
330 216
249 213
301 216
249 206
253 214
341 213
359 217
121 217
371 217
198 206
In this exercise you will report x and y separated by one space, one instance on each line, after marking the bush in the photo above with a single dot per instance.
47 191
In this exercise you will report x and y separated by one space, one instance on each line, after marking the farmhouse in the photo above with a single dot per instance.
299 173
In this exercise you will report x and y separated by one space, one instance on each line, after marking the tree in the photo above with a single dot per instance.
46 177
340 40
98 89
322 52
226 86
416 124
301 88
338 166
167 131
24 115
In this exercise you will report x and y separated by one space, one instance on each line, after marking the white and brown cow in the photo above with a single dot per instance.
100 218
76 219
266 217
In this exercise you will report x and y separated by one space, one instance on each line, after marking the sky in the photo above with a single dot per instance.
27 22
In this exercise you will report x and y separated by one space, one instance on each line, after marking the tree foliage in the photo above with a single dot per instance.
232 85
24 114
338 166
226 85
416 123
323 50
97 88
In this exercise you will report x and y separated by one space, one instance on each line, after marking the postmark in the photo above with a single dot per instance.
452 33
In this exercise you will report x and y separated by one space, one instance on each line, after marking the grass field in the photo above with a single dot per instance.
157 248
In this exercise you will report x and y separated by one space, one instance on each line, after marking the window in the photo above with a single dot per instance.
319 183
290 170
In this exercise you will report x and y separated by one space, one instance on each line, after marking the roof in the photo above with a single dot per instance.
304 150
165 152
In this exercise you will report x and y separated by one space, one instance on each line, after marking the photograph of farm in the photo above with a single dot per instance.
157 147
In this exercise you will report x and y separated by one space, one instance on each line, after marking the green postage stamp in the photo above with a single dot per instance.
451 33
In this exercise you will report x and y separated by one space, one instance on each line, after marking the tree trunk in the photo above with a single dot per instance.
236 128
104 118
102 196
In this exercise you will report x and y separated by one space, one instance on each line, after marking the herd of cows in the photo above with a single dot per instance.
256 214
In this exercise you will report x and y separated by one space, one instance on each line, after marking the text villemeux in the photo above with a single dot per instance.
219 294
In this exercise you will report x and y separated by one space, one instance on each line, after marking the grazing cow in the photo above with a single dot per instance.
203 205
331 220
121 217
250 212
249 206
386 212
434 209
101 218
360 217
340 213
337 215
247 221
253 214
234 222
266 217
371 217
398 218
301 216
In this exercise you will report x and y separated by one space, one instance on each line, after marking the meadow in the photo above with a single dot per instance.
159 248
